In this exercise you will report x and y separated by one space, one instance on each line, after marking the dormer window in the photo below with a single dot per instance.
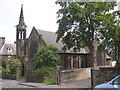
9 49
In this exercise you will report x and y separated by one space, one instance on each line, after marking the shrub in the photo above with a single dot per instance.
5 71
49 80
46 57
47 73
6 74
46 60
2 63
13 65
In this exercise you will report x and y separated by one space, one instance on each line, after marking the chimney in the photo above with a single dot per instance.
2 42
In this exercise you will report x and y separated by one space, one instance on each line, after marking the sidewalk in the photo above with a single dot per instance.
40 85
77 84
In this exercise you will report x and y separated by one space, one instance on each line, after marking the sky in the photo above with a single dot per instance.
38 13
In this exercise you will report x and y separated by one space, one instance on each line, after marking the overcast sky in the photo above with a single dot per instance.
38 13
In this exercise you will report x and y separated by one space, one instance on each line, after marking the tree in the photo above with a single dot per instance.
111 41
80 25
46 57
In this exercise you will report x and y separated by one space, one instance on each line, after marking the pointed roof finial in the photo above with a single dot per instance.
21 18
21 13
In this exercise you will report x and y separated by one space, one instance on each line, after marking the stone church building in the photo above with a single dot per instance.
27 47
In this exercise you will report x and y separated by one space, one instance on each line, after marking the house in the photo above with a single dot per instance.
8 52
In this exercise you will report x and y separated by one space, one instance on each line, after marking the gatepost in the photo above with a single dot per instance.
56 76
17 73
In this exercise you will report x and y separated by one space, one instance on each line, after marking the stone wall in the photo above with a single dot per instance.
31 77
103 74
8 76
72 75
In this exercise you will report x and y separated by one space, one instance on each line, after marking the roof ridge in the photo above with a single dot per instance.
45 30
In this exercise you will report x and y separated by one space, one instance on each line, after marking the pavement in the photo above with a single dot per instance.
40 85
22 83
76 84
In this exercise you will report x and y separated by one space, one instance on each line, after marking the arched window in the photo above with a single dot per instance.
33 48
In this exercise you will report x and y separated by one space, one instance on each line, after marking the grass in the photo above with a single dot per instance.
49 81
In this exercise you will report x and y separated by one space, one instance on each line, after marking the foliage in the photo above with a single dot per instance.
49 80
9 72
3 64
46 57
46 60
6 74
47 73
5 71
13 65
1 69
112 36
81 25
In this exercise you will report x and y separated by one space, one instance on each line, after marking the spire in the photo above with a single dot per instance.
21 19
21 13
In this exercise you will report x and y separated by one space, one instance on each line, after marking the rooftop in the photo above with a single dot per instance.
50 39
8 49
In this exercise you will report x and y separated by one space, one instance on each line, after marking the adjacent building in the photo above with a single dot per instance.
7 50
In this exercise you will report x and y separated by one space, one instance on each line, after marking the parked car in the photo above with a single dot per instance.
112 84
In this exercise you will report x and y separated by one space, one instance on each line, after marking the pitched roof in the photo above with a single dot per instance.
50 39
8 49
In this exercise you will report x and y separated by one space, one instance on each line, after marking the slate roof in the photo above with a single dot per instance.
8 49
50 39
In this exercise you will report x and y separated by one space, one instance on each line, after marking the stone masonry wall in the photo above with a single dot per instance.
103 74
72 75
